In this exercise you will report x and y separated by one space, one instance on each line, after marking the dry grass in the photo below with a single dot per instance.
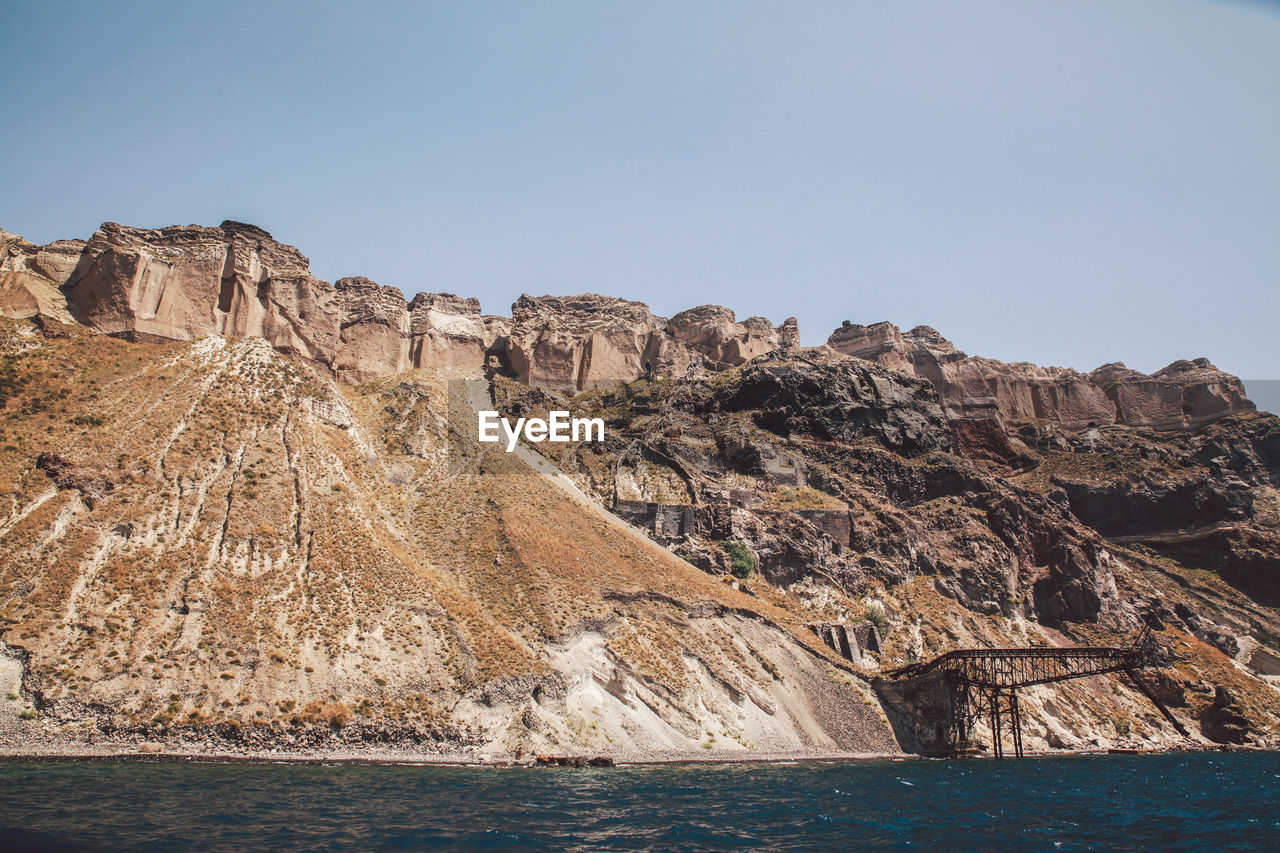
802 497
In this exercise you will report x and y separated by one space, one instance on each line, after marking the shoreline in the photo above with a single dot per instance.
410 760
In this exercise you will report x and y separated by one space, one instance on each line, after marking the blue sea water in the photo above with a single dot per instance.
1205 801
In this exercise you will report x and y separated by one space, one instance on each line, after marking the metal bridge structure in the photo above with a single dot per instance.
985 682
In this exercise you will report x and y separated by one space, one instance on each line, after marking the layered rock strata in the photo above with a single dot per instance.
189 282
577 343
31 275
186 282
1184 395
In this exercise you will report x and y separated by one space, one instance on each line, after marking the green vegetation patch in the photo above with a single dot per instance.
742 563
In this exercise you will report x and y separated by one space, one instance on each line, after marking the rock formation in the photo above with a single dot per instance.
31 275
1223 721
269 560
576 343
842 482
1186 394
210 542
186 282
449 331
189 282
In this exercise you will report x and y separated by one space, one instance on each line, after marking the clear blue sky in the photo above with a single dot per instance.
1060 182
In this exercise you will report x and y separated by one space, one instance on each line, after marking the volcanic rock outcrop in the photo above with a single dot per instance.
841 470
189 282
576 343
209 541
186 282
1186 394
31 275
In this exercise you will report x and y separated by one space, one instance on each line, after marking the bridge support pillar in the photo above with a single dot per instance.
1004 711
949 695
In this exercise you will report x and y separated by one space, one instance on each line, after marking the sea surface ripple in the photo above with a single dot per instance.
1203 801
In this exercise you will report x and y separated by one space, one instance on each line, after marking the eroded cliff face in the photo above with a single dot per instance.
213 545
31 277
590 342
1184 395
254 514
188 282
850 489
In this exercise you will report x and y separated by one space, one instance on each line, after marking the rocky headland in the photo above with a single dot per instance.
246 511
184 283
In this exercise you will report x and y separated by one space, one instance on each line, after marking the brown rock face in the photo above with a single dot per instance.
710 331
31 275
1184 395
575 343
449 331
188 282
375 330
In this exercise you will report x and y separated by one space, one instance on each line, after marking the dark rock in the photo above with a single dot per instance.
839 400
985 440
1247 558
1125 507
93 487
1224 721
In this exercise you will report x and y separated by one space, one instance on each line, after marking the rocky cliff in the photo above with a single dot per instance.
845 484
1183 395
182 283
189 282
31 277
575 343
211 545
253 515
